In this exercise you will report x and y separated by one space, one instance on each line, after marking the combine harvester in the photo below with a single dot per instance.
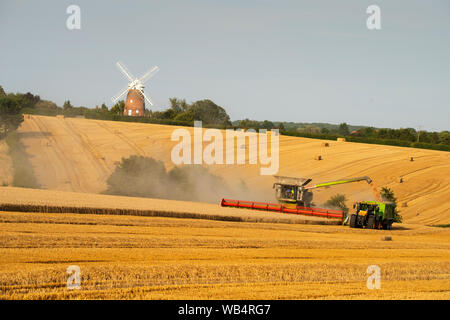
294 196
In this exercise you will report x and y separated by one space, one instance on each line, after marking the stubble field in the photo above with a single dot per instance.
157 251
129 257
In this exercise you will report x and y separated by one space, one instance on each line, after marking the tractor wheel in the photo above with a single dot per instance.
371 222
377 224
353 221
360 221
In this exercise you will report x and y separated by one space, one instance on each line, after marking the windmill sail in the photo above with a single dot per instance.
135 100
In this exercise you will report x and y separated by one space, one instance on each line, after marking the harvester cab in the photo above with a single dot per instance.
373 215
297 192
290 190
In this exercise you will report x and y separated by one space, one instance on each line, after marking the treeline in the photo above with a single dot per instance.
370 140
404 137
363 134
181 113
316 127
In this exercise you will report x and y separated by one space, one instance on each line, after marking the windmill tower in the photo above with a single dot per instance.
135 101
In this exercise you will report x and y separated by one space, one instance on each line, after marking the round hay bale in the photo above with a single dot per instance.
318 157
386 238
400 180
341 139
404 204
325 144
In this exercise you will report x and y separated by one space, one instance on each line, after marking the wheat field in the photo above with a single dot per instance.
129 257
79 155
136 248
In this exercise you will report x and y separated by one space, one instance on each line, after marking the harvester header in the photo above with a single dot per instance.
274 207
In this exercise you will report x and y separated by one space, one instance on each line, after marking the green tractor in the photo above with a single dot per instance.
373 215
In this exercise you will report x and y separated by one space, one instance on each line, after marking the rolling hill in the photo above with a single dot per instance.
78 155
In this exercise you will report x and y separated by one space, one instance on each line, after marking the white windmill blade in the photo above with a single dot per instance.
119 95
150 73
148 99
125 71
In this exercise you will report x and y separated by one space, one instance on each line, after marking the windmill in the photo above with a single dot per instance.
135 101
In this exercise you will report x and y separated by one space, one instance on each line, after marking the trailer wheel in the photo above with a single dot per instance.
371 222
353 221
379 224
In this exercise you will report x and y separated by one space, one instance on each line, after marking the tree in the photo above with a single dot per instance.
388 195
281 127
45 104
408 134
104 108
325 130
67 105
343 129
367 132
267 125
10 116
338 201
139 176
2 92
444 137
178 105
169 114
28 100
118 108
248 124
206 111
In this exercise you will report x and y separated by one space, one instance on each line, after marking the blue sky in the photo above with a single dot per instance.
303 61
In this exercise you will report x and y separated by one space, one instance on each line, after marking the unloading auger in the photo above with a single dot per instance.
290 190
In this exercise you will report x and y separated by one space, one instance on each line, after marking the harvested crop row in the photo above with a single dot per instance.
29 200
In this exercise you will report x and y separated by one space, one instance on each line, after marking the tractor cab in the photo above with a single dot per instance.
364 208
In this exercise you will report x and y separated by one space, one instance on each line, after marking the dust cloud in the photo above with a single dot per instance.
146 177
